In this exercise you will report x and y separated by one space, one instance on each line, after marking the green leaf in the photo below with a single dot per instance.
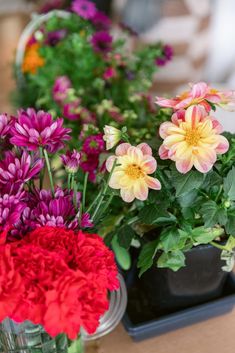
122 255
230 225
125 235
76 346
209 212
169 240
146 257
229 184
151 214
173 260
202 235
184 183
187 199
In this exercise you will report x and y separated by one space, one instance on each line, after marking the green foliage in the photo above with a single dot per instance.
122 255
187 182
146 257
229 184
173 260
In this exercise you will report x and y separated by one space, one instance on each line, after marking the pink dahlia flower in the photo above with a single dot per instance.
94 144
192 138
200 94
38 129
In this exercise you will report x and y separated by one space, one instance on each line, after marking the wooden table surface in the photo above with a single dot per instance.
216 335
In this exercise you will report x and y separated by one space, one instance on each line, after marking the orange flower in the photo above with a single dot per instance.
32 59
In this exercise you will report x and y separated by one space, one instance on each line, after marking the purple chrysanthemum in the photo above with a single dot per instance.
94 144
60 89
84 8
11 207
15 171
71 161
5 125
102 42
55 37
101 21
37 129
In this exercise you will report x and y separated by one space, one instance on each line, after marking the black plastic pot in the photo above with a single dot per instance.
200 281
163 301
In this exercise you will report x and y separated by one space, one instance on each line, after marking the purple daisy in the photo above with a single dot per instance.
71 161
84 8
102 42
60 89
37 129
101 21
15 171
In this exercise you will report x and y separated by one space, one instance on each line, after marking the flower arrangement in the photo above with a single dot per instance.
192 201
75 68
54 269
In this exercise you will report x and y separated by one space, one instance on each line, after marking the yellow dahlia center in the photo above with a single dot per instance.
134 171
192 137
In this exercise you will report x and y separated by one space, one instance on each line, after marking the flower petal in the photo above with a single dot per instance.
145 148
141 189
148 164
127 194
122 149
184 165
199 90
223 145
153 183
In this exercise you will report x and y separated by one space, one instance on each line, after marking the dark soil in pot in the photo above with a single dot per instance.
162 291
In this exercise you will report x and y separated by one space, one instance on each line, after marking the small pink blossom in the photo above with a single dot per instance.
84 8
60 89
110 72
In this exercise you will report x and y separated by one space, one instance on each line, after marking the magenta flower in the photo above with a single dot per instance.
109 73
84 8
60 89
5 125
94 144
167 56
86 221
37 129
11 207
102 42
71 161
101 21
72 110
15 171
89 163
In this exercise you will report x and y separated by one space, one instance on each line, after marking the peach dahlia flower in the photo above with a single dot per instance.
131 174
192 138
200 94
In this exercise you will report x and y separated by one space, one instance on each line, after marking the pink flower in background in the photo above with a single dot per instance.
131 175
72 110
192 139
101 21
200 94
5 125
94 144
110 72
71 161
55 37
15 171
60 89
89 163
167 56
34 129
84 8
102 42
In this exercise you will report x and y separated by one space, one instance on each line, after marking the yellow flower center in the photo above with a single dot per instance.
192 137
134 171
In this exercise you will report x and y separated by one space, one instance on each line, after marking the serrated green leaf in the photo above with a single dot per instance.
151 214
230 225
229 184
122 255
125 235
146 257
185 183
169 240
173 260
202 235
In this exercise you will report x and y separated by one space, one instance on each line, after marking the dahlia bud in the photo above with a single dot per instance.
112 136
71 161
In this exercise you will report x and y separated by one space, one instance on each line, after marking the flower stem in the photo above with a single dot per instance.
84 190
69 181
221 247
42 170
94 201
49 172
104 192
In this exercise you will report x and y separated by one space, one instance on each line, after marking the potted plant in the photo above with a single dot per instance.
71 64
188 225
